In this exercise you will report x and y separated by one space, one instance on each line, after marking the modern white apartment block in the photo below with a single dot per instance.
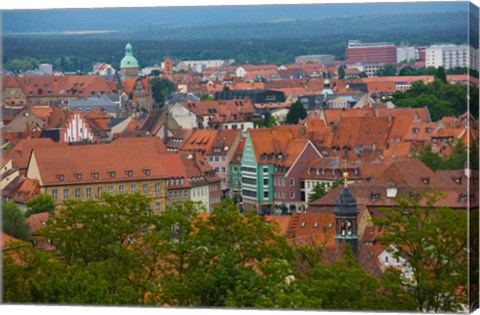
451 56
405 53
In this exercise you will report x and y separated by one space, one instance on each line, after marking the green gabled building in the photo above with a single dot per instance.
256 179
267 151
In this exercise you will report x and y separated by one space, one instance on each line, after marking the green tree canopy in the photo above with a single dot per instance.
441 75
441 98
40 203
161 89
296 112
433 242
14 223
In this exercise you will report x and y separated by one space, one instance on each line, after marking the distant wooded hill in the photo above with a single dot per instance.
263 42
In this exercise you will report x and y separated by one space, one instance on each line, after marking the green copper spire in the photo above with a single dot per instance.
129 60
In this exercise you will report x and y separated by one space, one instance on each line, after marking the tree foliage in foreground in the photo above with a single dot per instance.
433 241
113 252
13 222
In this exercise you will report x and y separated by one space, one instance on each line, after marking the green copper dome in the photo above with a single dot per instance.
129 60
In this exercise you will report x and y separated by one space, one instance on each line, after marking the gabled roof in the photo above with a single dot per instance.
99 163
20 153
421 113
75 85
335 115
288 141
362 131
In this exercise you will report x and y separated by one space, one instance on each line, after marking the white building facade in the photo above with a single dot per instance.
451 56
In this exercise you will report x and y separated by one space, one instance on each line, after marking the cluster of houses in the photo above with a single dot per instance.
76 137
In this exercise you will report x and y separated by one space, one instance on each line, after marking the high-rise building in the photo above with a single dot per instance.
451 56
370 53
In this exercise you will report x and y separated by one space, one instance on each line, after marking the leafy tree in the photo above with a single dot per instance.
161 88
206 97
155 73
441 75
296 112
442 99
14 223
431 159
341 285
387 70
40 203
458 157
341 72
432 241
318 191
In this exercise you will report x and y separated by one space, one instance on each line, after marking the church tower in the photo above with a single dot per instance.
128 65
168 67
346 213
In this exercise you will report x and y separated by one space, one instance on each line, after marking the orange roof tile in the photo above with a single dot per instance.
98 163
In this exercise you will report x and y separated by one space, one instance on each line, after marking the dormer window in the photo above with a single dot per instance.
415 130
462 198
315 225
129 173
60 177
264 157
95 175
112 174
147 171
303 224
78 176
272 157
426 180
280 156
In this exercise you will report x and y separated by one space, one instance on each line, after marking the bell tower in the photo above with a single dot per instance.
346 213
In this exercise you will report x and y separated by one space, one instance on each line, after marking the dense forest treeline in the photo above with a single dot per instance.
257 43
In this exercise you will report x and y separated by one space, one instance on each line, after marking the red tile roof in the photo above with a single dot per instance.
108 162
364 131
76 85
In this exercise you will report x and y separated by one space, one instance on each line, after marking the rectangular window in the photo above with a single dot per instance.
265 182
78 193
224 170
292 195
133 188
121 189
99 191
55 194
88 192
157 207
157 188
65 193
217 159
110 190
145 189
265 194
292 182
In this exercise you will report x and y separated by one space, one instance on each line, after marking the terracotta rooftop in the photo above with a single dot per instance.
362 131
98 163
76 85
